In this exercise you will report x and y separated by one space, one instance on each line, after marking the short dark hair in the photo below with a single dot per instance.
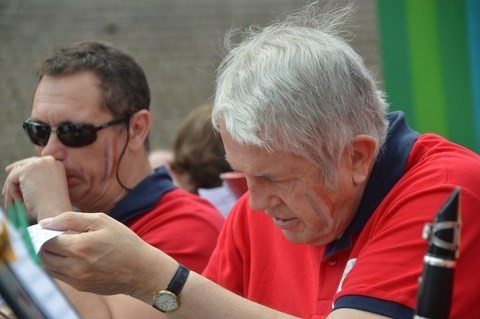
124 84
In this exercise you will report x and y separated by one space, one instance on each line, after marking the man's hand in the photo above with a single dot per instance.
99 254
40 183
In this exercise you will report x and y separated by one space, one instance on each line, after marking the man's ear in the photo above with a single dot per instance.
362 156
139 129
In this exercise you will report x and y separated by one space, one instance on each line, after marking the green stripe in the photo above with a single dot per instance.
455 65
428 96
473 22
395 56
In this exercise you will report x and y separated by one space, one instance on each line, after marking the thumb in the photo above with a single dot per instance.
73 221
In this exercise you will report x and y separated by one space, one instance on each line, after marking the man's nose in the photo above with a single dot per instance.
261 197
54 148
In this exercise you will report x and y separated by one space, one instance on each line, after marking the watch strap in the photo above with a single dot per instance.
178 281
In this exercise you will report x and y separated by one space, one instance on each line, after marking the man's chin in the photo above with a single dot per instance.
303 239
73 182
293 237
76 194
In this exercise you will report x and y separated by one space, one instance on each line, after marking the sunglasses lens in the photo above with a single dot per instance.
77 135
38 133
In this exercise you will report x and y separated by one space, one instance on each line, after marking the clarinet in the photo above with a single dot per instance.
436 283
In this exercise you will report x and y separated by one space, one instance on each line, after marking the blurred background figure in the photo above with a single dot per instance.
160 157
198 160
199 157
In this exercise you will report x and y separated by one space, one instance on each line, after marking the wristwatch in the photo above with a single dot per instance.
167 300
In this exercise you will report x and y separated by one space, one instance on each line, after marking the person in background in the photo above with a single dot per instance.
89 124
161 157
339 193
198 154
198 160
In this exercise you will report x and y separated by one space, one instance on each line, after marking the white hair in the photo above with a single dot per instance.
298 86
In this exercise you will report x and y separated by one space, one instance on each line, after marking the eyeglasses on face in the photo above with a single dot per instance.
70 134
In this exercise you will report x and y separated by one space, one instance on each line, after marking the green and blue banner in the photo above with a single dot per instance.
431 65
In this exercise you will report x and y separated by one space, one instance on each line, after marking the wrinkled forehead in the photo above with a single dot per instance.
77 95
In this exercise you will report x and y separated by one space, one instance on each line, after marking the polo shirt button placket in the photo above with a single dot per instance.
332 261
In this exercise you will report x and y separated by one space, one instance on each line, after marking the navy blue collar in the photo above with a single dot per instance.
144 196
388 169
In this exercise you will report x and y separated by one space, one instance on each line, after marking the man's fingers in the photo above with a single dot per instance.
72 221
11 187
11 166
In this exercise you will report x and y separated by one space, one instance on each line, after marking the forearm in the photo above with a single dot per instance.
88 305
95 306
48 208
202 298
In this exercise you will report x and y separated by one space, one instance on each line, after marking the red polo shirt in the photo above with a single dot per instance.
376 264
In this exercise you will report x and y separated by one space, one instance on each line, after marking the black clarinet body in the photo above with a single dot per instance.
436 283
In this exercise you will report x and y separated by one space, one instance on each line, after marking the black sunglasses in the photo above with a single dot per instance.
70 134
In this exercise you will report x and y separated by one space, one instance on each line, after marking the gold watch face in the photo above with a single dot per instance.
165 301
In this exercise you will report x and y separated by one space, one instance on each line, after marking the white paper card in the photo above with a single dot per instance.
40 236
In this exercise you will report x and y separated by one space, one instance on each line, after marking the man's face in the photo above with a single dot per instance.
287 188
90 169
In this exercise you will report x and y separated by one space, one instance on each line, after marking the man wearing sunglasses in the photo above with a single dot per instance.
89 124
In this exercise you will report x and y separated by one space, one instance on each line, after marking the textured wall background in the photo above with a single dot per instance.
175 41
